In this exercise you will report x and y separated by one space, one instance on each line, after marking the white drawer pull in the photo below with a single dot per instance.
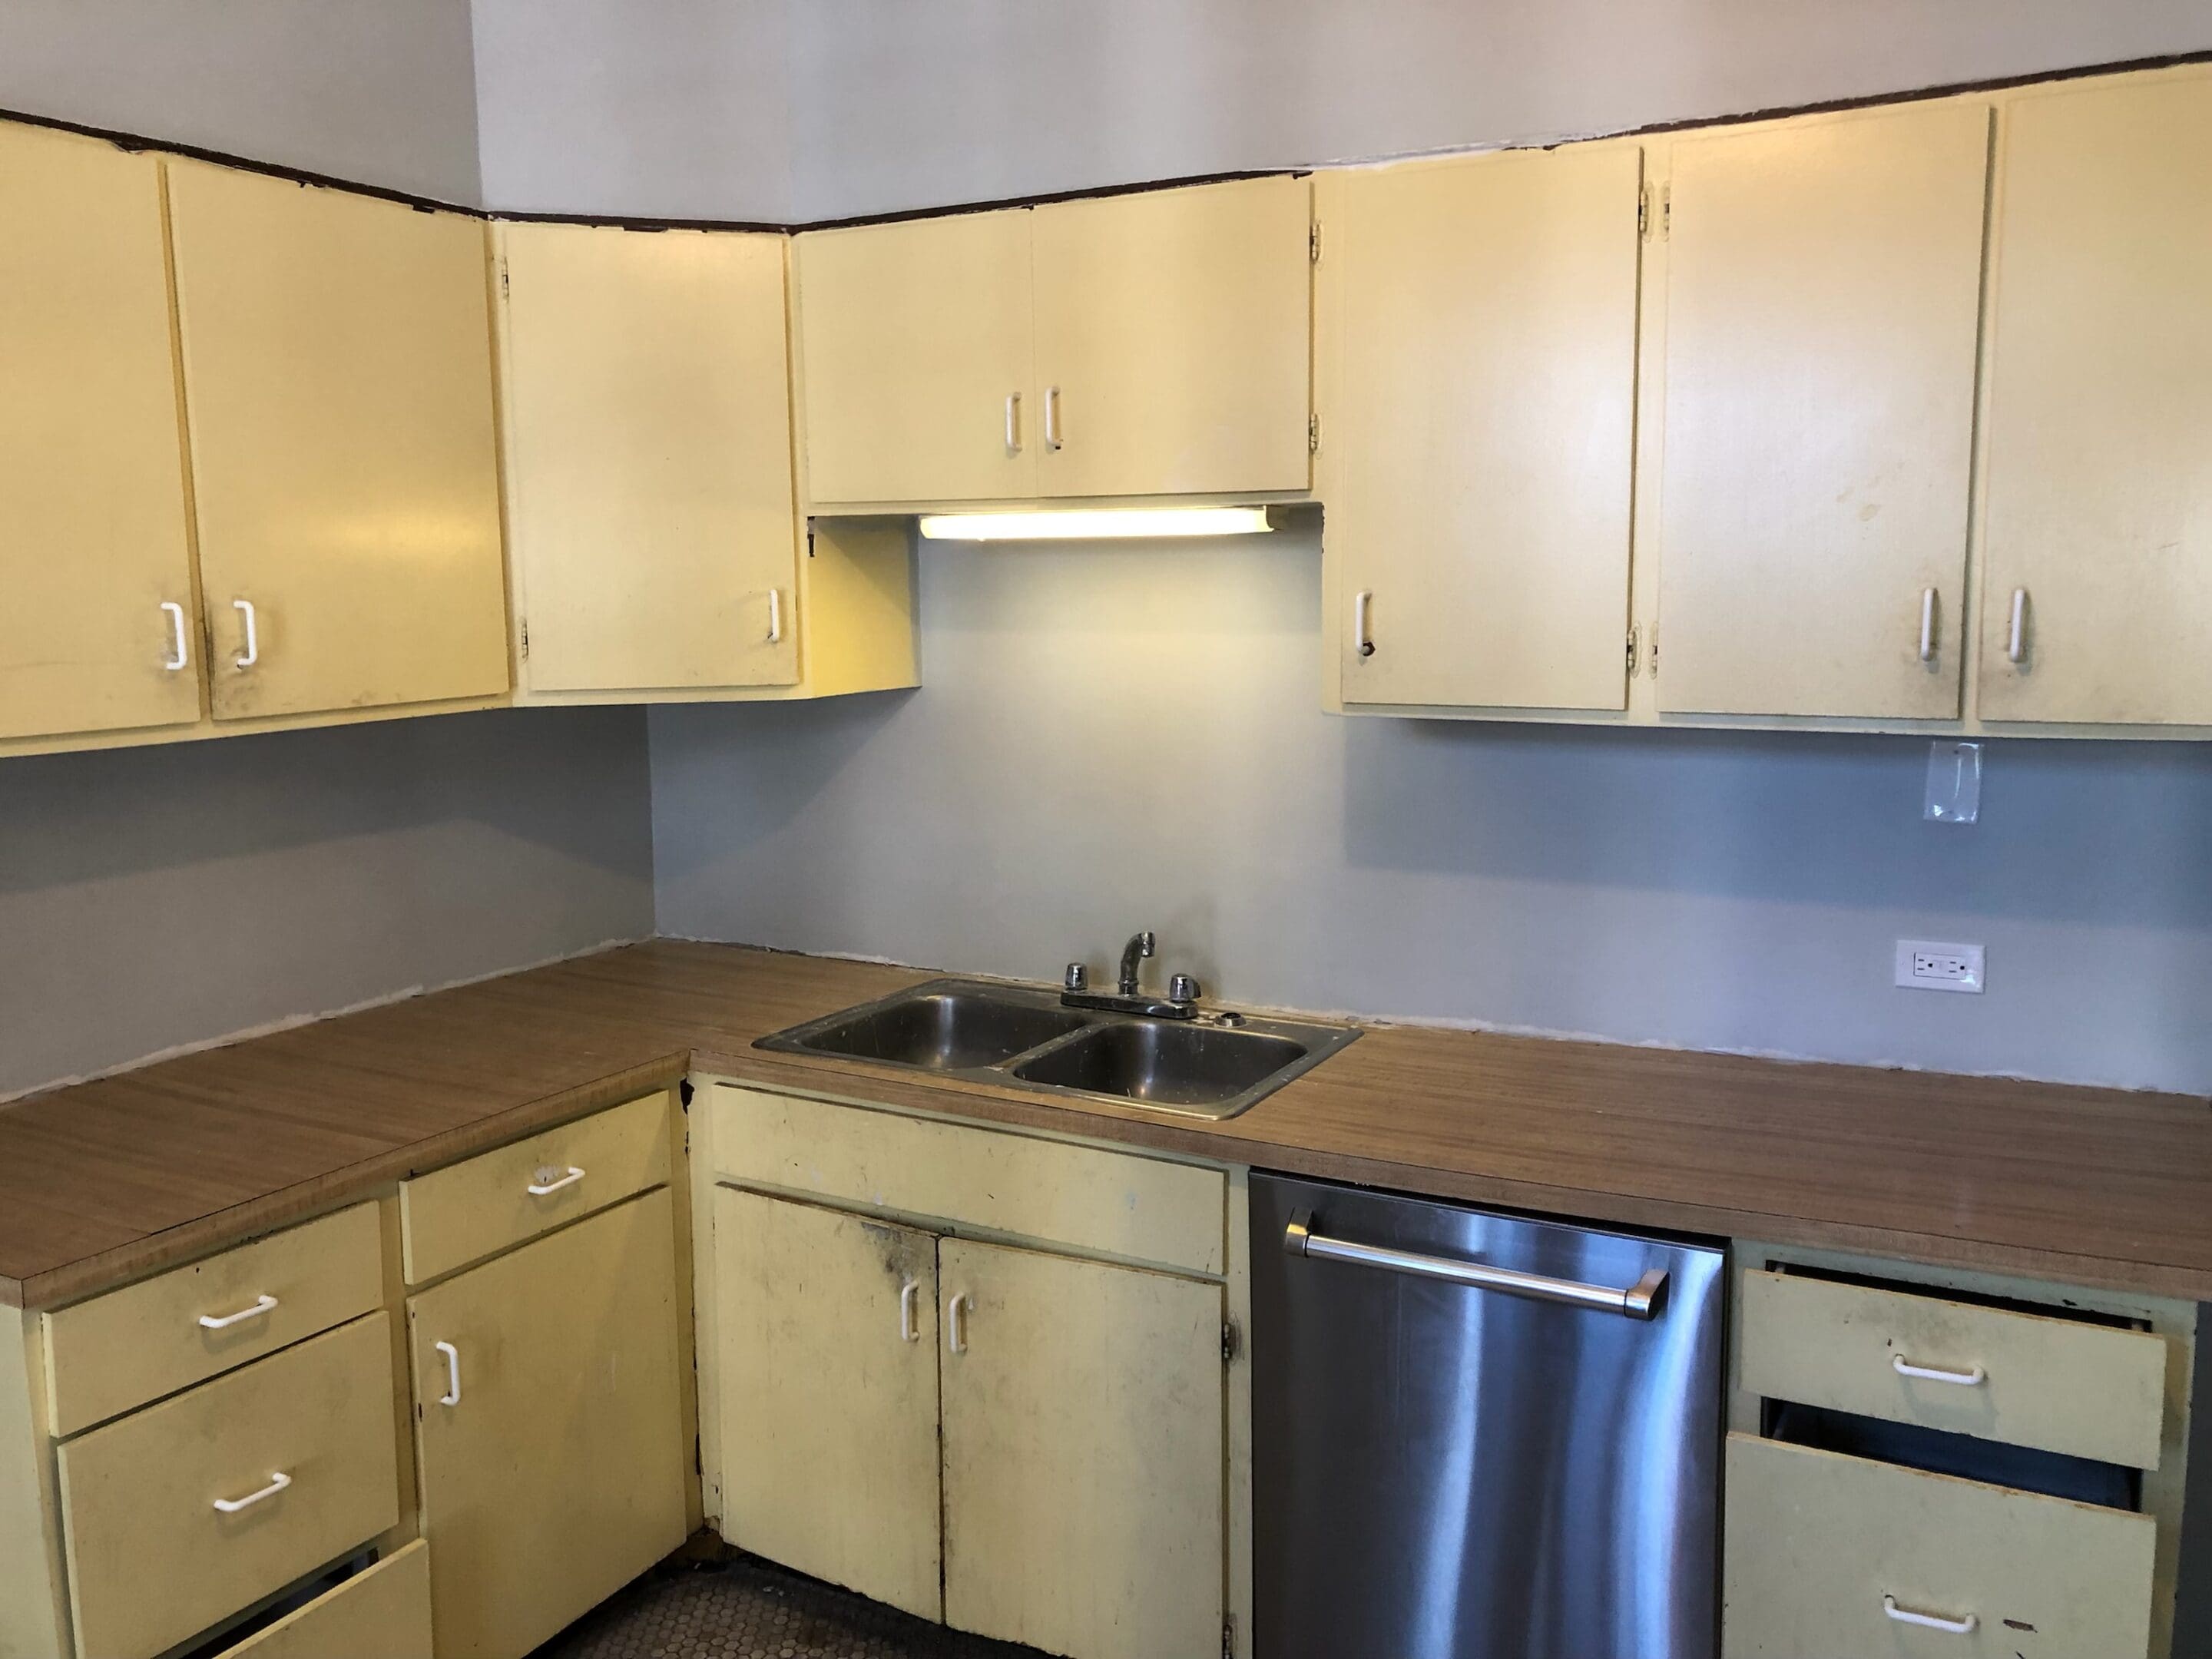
1973 1378
542 1185
178 657
452 1394
956 1323
1965 1626
278 1481
262 1305
908 1331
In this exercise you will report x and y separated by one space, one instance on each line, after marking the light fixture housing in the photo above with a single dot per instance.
1095 524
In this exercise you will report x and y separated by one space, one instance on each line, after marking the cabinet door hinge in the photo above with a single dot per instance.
1313 434
1229 1638
505 287
1313 241
1227 1339
1653 659
1635 640
1644 211
1665 210
524 628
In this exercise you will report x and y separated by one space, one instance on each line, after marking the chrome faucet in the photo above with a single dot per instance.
1180 1003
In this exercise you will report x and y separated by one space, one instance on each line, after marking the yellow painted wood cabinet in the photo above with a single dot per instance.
549 1441
653 527
1482 348
99 630
915 354
337 382
1823 281
827 1327
1156 343
1083 1453
1172 331
2097 596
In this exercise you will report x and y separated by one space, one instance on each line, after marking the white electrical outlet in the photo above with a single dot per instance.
1932 966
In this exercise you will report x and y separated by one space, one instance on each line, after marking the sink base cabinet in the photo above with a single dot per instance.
550 1435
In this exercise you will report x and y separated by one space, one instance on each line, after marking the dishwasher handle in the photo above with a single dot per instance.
1641 1300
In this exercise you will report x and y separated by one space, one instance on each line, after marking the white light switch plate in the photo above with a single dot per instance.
1925 965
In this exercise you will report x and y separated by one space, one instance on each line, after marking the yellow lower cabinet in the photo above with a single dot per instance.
1083 1445
827 1328
1832 1557
550 1442
383 1612
180 1515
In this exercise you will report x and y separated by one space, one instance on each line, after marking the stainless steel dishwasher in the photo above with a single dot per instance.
1479 1437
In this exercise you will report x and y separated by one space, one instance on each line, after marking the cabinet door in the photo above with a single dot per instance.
550 1440
827 1328
1173 332
95 626
1823 293
2099 504
647 425
915 355
1083 1473
337 384
1487 352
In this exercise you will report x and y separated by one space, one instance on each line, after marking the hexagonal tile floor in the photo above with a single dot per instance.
747 1609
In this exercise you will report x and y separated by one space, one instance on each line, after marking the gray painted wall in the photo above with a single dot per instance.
159 897
380 93
1109 739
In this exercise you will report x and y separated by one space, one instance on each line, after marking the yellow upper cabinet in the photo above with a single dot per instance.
1823 298
97 630
1172 341
648 429
338 391
1482 350
2097 595
915 350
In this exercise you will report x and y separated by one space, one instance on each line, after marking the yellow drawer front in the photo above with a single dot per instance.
1141 1208
2059 1385
382 1614
153 1560
1837 1558
452 1217
114 1354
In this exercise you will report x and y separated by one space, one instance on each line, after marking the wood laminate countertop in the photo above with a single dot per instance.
104 1180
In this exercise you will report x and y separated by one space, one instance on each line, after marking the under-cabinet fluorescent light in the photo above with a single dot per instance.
1110 524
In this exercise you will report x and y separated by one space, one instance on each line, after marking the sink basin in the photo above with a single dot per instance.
1023 1036
943 1030
1164 1062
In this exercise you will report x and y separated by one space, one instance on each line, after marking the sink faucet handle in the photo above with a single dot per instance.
1078 977
1182 988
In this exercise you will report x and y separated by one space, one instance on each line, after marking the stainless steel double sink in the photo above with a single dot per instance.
1214 1065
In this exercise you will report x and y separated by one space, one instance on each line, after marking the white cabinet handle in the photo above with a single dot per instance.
1928 624
1051 417
908 1331
1965 1626
775 616
2016 634
245 608
278 1481
262 1305
1360 601
177 658
452 1394
541 1187
956 1323
1013 423
1971 1378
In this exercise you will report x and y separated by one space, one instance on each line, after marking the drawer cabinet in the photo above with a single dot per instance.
178 1516
1830 1556
2060 1385
117 1351
382 1614
1108 1202
462 1213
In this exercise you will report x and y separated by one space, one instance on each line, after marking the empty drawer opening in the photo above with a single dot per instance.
1949 1293
1935 1451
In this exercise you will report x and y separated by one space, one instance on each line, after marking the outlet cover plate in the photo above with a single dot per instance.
1925 965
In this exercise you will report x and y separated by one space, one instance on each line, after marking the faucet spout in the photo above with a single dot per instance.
1138 947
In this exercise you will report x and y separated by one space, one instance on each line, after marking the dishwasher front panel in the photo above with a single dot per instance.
1445 1470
